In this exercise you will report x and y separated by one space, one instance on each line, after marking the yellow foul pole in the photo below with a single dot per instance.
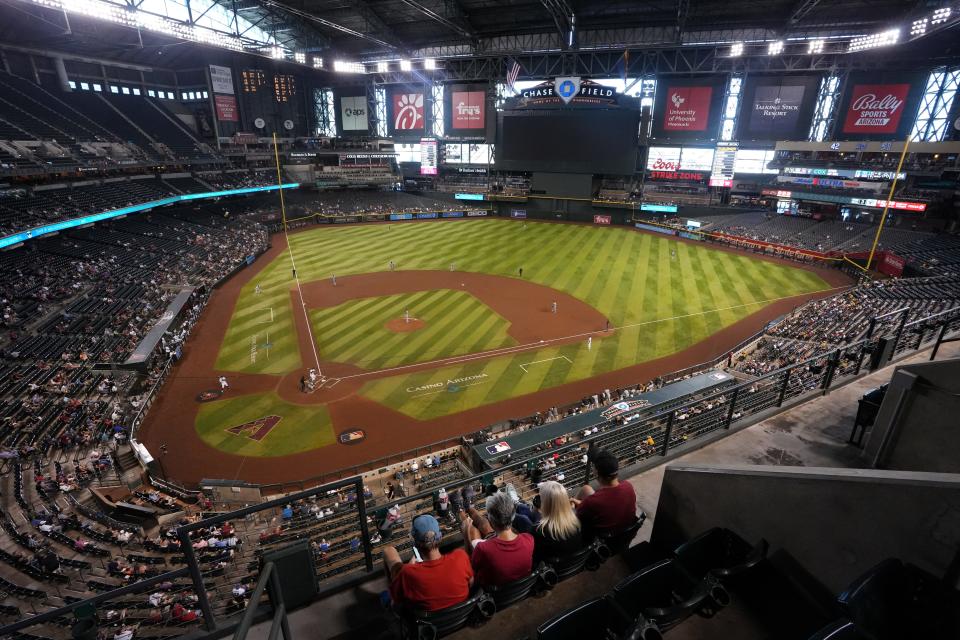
276 155
886 205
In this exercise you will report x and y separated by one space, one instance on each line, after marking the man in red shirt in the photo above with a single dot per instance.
610 508
498 554
433 581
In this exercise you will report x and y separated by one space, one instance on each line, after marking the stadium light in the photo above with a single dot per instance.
405 65
775 48
919 27
815 46
941 15
300 57
276 53
317 62
383 67
736 49
429 64
342 66
882 39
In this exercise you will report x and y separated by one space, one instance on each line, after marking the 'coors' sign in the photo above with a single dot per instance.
875 108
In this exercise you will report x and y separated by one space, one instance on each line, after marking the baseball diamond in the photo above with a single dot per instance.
486 344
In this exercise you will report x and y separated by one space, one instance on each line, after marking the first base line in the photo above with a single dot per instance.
524 366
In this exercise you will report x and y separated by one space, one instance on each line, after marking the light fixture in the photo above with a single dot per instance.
405 65
300 57
882 39
736 49
342 66
276 53
941 15
429 64
815 46
383 67
317 62
918 27
775 48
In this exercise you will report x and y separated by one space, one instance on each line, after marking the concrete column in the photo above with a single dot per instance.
61 73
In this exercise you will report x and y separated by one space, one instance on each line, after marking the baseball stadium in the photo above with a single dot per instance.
546 319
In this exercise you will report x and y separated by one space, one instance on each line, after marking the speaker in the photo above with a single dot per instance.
294 567
882 354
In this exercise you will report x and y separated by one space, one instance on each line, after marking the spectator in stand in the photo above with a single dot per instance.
559 532
433 581
498 554
610 508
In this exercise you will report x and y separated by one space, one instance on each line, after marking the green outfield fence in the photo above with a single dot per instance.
357 527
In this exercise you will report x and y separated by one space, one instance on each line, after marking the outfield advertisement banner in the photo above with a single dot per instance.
687 109
451 214
880 106
407 115
600 219
777 107
401 216
476 214
226 108
426 216
650 227
518 213
221 79
353 114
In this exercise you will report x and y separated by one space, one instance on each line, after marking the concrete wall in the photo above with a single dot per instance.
836 523
918 425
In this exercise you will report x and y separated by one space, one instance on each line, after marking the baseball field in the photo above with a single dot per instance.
419 331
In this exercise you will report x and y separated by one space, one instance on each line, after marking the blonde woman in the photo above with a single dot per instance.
558 533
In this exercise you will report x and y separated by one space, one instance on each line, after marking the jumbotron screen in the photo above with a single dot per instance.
568 141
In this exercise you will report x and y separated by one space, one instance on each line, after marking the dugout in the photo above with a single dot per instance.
486 455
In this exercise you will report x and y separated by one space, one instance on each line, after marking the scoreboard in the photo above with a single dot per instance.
724 161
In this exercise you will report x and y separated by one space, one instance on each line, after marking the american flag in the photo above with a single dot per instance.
512 76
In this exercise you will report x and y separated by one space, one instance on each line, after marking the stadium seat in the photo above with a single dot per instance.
599 618
666 594
612 544
541 579
721 553
427 625
838 630
894 600
572 564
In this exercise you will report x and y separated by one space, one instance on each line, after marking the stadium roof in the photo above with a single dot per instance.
368 29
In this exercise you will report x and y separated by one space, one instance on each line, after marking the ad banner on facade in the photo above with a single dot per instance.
353 114
599 219
879 106
465 111
226 108
221 79
406 106
688 109
777 107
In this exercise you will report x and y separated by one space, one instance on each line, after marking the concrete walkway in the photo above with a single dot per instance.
812 434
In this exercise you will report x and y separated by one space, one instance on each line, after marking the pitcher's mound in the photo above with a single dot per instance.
399 325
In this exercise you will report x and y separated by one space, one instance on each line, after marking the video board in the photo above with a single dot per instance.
777 107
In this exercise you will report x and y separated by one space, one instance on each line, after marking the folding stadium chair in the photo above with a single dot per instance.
540 579
721 553
429 625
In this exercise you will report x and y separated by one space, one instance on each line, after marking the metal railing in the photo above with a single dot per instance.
348 527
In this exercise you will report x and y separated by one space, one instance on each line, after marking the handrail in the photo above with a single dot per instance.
280 621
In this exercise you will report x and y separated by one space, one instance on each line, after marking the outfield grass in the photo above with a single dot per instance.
456 324
664 295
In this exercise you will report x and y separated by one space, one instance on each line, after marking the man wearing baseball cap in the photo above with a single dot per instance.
433 581
610 508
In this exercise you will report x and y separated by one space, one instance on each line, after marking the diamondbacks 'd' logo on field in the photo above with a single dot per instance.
255 429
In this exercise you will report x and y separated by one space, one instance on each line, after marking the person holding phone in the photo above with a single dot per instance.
430 580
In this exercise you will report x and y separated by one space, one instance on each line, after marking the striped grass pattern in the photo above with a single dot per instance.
456 324
665 295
